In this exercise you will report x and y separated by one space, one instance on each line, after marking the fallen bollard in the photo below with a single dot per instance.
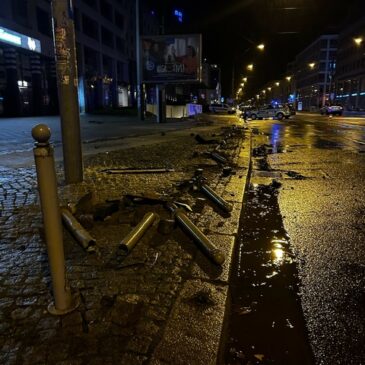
128 242
137 171
81 235
217 157
209 192
197 235
64 302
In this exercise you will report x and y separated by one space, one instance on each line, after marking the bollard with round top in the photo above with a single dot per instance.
64 302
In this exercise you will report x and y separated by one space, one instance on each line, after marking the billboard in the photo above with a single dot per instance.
171 58
20 40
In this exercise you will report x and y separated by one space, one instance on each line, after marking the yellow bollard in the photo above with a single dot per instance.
64 302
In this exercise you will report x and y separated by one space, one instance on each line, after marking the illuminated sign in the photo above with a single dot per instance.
179 15
19 40
171 58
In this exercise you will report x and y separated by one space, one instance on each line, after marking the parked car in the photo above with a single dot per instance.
222 108
269 111
332 110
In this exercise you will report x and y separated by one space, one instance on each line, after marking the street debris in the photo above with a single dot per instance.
217 157
128 170
166 226
198 182
203 140
203 298
212 252
78 231
295 175
128 242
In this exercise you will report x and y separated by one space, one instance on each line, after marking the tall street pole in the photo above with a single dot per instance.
65 52
140 91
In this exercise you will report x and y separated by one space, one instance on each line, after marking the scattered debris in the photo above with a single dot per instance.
198 180
78 231
128 242
217 157
103 210
166 226
203 140
137 171
209 249
203 298
295 175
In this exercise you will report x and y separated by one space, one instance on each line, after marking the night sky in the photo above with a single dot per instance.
285 26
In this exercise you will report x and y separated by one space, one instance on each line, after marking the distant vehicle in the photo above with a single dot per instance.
332 110
268 111
222 108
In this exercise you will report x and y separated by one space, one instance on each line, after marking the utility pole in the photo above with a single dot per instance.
140 90
65 51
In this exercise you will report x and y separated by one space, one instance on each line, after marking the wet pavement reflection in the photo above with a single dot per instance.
266 324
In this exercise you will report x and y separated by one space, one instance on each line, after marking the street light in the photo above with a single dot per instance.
261 47
311 65
244 79
277 83
288 78
250 67
358 41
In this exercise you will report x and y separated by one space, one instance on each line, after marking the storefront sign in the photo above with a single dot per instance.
19 40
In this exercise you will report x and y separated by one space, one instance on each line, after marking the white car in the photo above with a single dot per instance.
222 108
269 111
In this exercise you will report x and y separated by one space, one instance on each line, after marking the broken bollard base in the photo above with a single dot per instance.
73 304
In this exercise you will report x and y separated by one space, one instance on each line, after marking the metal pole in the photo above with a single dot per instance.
213 253
140 90
64 43
47 186
136 234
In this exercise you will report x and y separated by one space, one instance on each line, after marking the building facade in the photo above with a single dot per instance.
350 71
106 55
313 73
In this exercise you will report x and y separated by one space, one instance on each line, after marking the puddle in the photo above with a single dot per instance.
266 324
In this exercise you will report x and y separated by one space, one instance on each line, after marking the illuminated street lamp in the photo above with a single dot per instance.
311 65
261 47
244 79
269 89
358 41
288 78
242 84
277 83
250 67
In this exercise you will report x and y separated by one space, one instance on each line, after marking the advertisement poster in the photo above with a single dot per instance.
171 58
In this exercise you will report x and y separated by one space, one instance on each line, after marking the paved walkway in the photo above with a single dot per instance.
164 303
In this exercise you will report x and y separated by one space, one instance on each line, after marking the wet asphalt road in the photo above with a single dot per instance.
320 163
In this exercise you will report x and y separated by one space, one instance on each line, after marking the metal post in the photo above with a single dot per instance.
64 42
136 234
212 252
47 186
140 90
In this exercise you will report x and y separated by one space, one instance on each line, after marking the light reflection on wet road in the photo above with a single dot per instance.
320 162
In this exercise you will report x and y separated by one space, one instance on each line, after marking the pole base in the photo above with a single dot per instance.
75 302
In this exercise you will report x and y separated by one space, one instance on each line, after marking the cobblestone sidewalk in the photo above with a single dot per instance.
163 303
